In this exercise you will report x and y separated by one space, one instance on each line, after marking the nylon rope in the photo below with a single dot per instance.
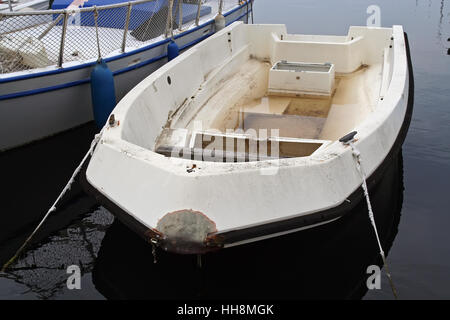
96 32
170 16
53 207
357 155
148 22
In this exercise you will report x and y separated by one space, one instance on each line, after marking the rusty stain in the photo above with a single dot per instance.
347 145
192 168
186 232
112 120
153 234
214 240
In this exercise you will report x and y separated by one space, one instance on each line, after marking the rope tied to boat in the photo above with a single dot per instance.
349 140
53 207
154 243
220 6
96 32
169 32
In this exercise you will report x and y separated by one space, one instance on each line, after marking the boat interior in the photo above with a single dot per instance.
275 95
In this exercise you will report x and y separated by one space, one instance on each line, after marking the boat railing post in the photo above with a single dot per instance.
63 38
169 24
197 18
10 6
180 15
246 17
125 29
220 6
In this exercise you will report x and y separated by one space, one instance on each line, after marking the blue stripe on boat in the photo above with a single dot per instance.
123 55
117 72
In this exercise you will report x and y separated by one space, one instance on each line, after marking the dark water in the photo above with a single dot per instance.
411 202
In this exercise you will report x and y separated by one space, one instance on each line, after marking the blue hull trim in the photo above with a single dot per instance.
123 55
117 72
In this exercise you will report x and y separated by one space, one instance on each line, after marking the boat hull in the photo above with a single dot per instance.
35 106
281 227
338 180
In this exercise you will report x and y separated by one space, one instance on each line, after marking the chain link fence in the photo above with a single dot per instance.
46 38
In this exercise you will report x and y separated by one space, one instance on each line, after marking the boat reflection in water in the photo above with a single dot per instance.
325 262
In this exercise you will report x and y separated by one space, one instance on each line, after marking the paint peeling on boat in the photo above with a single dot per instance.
153 235
214 240
185 231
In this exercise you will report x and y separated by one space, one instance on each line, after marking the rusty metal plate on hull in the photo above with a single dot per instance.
185 232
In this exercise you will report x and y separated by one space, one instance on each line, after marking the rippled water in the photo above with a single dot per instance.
327 262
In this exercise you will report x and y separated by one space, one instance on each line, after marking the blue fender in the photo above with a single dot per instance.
172 50
102 92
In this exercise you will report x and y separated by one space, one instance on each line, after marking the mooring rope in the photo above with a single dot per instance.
53 207
357 156
220 6
170 19
96 32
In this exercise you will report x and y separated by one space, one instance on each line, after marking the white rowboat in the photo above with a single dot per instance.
237 139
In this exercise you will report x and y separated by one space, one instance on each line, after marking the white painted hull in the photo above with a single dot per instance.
40 104
250 201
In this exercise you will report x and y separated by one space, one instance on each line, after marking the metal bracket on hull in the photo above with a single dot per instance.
185 232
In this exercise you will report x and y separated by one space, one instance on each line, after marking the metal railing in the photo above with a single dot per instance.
52 37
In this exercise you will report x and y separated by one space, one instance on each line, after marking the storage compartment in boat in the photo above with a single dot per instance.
301 78
283 116
232 147
283 125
